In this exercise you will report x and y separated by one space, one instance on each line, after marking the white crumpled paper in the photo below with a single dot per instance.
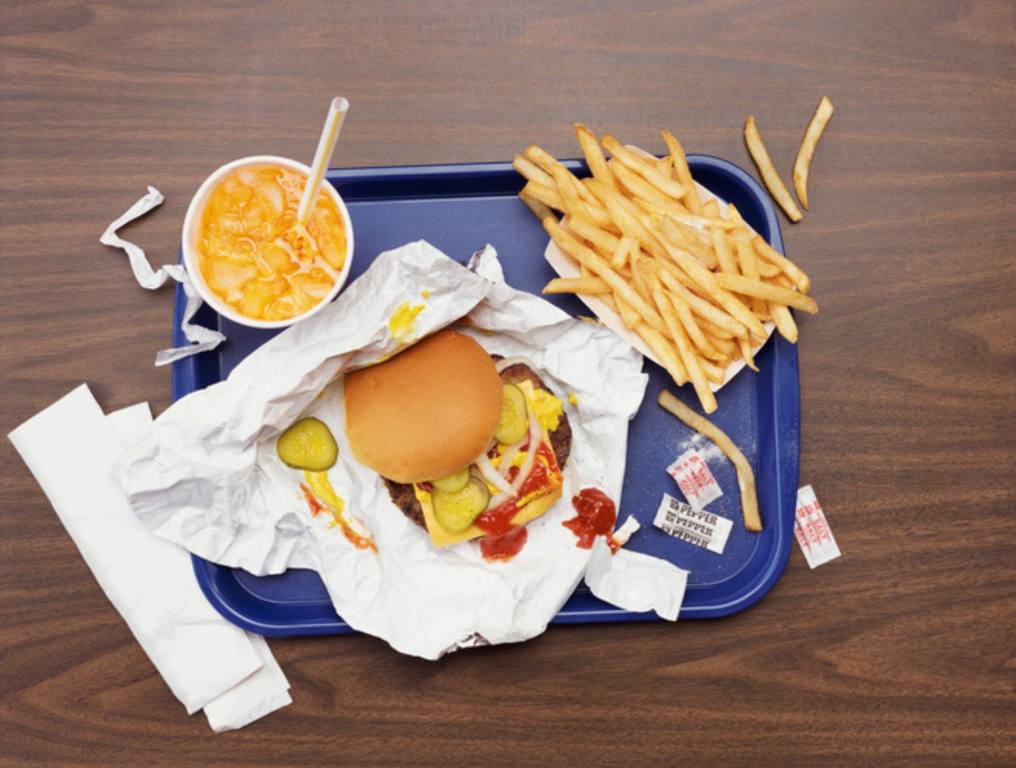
202 339
207 475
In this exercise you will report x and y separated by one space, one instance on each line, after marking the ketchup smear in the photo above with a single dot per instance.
596 516
505 540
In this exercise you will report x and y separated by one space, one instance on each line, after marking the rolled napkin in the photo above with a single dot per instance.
207 662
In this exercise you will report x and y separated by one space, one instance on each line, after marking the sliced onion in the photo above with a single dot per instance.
509 455
534 447
497 501
492 476
506 362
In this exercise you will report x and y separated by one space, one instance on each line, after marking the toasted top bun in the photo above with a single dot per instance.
425 413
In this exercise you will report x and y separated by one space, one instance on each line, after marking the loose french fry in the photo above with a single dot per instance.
807 149
665 352
586 285
691 199
745 477
531 171
772 179
594 155
540 210
601 267
688 357
644 168
711 208
756 288
789 268
746 354
546 195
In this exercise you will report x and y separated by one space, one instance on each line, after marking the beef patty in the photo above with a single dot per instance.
560 440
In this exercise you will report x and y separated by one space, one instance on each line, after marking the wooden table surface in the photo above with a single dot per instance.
901 652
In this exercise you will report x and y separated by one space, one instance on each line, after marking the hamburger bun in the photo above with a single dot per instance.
425 413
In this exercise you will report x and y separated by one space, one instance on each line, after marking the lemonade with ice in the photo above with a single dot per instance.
255 257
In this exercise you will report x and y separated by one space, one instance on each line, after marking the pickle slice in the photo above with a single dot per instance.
308 444
456 481
514 423
456 510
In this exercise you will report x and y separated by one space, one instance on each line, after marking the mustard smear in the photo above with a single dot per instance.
573 399
425 294
321 496
403 321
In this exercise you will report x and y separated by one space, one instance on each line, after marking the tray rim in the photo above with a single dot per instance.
784 388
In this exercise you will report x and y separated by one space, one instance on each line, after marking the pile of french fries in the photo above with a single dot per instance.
696 285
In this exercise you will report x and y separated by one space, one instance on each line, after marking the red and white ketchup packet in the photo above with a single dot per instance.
812 530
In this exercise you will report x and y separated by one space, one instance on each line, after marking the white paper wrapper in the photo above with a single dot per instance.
566 266
208 478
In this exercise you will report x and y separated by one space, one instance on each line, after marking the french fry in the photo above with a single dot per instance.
691 200
540 210
691 362
745 477
641 280
587 285
701 306
629 316
604 242
602 268
767 269
712 371
645 169
711 208
692 243
746 354
691 327
772 179
748 262
723 255
758 289
568 188
630 225
789 268
664 351
626 251
594 155
784 322
802 164
665 166
546 195
531 171
638 186
541 157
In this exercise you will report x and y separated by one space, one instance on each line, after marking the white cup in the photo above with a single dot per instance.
191 231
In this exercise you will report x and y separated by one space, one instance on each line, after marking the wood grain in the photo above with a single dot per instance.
900 653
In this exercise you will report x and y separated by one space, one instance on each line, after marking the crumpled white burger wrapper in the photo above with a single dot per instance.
208 478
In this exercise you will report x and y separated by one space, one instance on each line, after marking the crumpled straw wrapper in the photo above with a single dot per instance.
207 475
202 339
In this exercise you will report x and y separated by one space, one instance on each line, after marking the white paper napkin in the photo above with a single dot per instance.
206 661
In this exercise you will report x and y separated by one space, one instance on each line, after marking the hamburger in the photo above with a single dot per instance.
469 446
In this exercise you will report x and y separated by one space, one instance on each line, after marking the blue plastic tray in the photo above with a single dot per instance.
459 208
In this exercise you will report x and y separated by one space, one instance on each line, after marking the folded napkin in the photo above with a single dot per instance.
207 662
